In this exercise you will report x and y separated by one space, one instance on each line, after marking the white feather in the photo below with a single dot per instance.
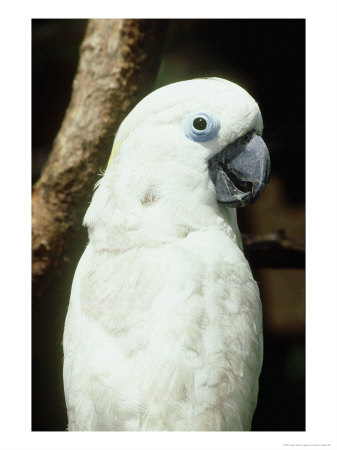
164 330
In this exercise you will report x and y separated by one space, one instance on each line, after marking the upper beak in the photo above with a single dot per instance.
240 171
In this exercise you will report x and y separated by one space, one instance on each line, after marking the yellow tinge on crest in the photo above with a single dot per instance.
113 151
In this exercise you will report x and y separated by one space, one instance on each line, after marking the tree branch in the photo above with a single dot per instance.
274 250
118 63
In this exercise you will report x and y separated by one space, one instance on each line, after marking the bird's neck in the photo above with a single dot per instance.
120 220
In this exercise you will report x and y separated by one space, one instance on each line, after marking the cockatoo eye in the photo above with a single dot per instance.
199 123
201 126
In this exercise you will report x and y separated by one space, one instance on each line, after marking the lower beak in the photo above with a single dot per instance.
240 171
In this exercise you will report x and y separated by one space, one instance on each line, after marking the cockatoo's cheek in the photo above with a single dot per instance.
240 171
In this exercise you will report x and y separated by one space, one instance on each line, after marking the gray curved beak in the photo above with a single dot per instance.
240 171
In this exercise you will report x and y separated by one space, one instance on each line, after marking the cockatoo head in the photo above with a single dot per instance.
201 121
188 145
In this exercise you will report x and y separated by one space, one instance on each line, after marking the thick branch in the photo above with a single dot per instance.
274 250
118 65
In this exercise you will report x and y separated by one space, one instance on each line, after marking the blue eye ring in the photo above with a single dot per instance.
201 126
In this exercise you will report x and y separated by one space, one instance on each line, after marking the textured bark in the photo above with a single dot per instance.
118 64
274 251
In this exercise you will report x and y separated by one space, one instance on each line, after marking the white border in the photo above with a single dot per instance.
321 224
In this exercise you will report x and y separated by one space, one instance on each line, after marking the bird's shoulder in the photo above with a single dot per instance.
121 290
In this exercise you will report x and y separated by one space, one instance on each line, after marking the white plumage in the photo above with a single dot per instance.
164 328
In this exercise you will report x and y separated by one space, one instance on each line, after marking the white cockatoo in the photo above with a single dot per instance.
164 327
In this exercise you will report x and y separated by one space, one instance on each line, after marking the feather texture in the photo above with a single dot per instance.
164 328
